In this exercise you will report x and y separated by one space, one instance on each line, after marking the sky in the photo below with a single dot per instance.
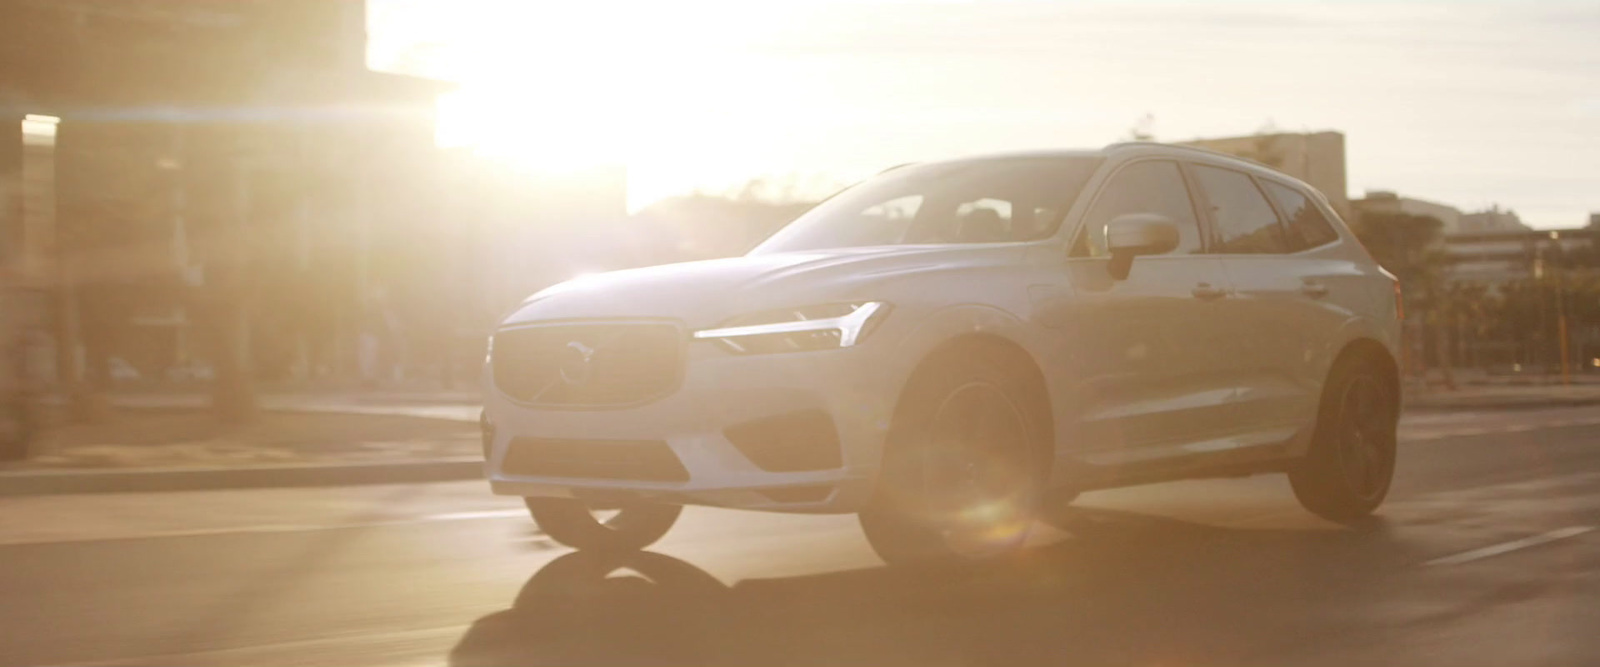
1469 103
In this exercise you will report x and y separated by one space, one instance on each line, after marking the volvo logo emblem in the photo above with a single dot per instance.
575 362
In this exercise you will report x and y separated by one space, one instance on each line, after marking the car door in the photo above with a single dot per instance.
1146 384
1280 314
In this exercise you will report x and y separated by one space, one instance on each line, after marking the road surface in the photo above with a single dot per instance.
1486 554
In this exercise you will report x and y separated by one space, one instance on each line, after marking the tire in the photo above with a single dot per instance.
1347 472
965 465
572 522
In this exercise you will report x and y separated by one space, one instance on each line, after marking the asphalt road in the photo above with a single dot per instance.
1487 554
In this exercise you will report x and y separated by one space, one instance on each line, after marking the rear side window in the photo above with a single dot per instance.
1308 228
1142 187
1246 223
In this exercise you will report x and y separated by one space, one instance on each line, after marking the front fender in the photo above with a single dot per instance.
954 323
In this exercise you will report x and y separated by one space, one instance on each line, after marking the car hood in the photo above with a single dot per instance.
704 293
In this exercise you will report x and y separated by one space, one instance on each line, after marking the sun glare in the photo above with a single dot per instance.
565 88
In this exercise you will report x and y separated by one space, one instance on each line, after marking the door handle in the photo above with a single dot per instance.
1314 290
1206 292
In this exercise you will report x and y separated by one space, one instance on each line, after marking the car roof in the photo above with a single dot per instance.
1180 149
1139 147
1144 148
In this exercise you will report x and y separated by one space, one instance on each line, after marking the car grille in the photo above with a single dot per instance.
633 460
588 364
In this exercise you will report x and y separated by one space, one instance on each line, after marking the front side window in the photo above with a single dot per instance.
1308 227
1246 223
1142 187
990 200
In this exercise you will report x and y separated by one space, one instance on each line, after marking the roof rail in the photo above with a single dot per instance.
1186 147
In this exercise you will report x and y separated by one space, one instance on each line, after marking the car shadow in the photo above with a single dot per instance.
1124 589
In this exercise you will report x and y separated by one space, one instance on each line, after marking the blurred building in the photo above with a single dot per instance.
1491 221
229 185
1546 263
1496 258
1384 201
1317 158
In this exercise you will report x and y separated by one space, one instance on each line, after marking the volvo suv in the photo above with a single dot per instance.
953 350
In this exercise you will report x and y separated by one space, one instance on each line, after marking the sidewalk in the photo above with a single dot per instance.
446 406
309 441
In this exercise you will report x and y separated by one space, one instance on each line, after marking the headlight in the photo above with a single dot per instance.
827 327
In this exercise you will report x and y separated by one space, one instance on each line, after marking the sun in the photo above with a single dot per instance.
568 87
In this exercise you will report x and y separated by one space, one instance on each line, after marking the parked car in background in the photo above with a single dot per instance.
952 350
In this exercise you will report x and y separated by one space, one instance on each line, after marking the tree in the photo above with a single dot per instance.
1410 247
1469 309
1143 129
1530 311
218 207
1407 245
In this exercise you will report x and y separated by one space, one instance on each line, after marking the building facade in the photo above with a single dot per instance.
1496 258
1491 221
230 188
1384 201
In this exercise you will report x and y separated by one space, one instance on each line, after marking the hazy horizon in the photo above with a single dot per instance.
1467 103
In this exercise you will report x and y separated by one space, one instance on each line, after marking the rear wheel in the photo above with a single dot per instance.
623 527
1350 466
963 471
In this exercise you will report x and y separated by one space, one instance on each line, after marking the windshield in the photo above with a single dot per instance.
993 200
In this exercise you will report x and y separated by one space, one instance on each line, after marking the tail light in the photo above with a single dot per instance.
1399 303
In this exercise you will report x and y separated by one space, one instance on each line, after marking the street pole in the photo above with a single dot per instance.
1542 354
233 392
1561 321
67 163
1561 307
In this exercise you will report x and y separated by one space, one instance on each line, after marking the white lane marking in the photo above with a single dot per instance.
486 514
1437 417
1507 547
269 528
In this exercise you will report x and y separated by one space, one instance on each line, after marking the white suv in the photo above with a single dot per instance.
954 349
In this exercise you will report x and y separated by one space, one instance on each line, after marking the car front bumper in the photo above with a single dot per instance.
739 431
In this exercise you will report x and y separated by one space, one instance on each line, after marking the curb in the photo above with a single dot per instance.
56 482
460 413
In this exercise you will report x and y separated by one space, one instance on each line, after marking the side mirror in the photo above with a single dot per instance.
1134 234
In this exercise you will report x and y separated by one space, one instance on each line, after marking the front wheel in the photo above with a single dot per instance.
964 469
630 526
1350 466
